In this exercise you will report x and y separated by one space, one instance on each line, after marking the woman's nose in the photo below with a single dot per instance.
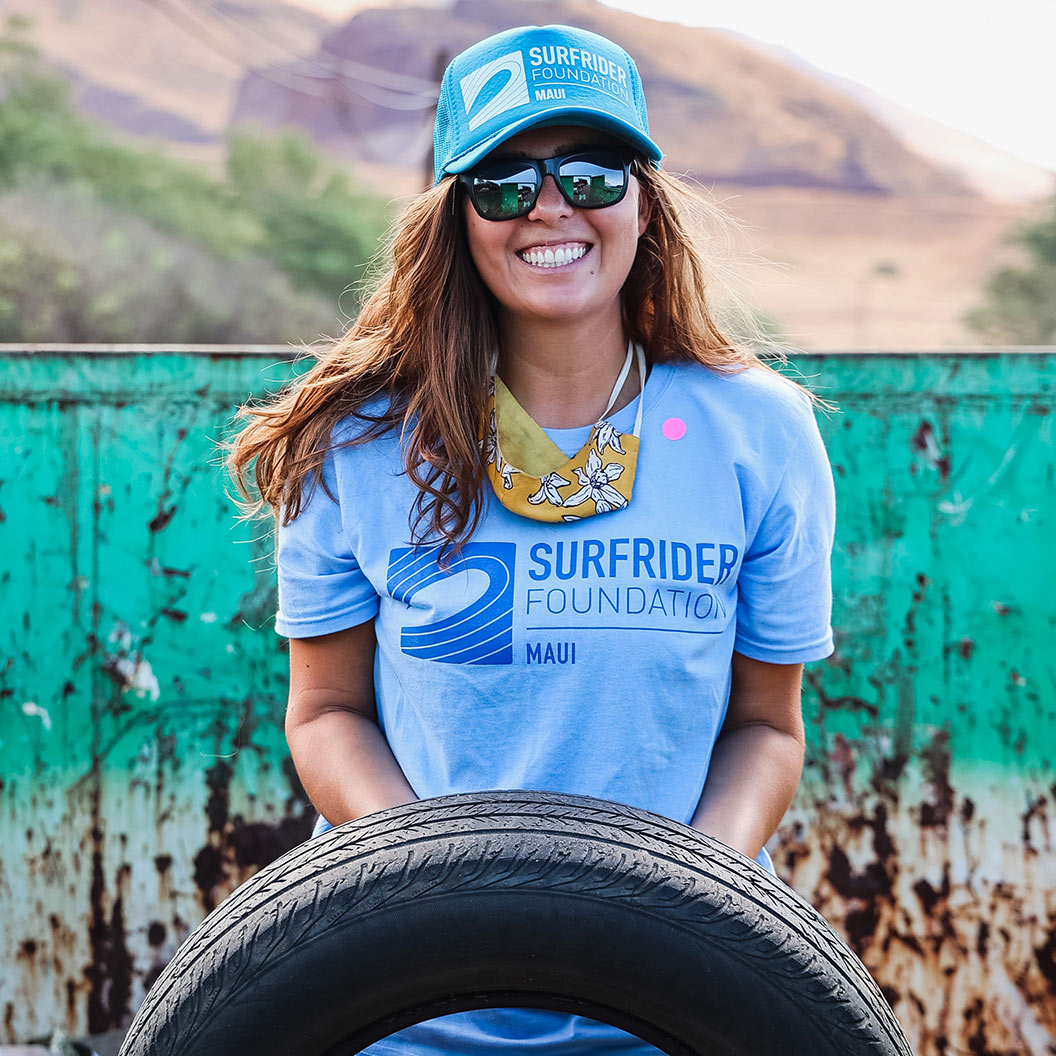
551 203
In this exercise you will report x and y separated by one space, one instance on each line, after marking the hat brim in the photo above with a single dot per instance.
568 115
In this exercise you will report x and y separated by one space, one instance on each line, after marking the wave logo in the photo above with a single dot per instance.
513 92
480 632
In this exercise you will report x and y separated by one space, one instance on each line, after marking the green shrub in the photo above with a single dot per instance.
1020 304
263 254
318 229
74 268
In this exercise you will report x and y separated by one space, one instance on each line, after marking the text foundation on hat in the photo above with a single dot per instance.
555 63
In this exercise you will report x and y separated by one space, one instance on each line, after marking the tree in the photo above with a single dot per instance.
318 229
1020 308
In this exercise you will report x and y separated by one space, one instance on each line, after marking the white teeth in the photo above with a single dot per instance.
551 258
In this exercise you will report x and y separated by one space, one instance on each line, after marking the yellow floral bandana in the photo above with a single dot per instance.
533 477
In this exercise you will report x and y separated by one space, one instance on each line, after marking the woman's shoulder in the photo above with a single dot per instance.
758 392
371 427
360 450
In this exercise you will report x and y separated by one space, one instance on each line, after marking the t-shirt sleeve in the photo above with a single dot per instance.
784 606
322 589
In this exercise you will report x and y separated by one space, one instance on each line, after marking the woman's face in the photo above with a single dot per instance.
583 288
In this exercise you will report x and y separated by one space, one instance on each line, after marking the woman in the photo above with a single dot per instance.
569 537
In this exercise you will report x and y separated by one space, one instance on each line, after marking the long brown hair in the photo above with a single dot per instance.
420 347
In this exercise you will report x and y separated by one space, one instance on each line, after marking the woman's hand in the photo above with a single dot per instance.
757 760
341 755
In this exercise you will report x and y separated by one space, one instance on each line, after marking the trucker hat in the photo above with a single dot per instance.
531 76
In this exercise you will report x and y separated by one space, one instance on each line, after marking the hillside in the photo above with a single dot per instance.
873 244
992 172
728 112
165 68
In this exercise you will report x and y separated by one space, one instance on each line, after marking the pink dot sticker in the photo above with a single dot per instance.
674 429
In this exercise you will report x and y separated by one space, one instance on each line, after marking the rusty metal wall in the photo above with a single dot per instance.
143 771
924 827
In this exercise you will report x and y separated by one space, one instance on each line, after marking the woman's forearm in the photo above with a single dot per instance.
346 765
752 777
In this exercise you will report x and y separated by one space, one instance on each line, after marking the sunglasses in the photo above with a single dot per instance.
506 188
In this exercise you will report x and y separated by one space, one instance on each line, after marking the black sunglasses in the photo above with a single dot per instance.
506 188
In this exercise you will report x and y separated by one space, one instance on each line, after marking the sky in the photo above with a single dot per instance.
984 66
987 67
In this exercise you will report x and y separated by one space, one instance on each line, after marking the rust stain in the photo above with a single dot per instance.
209 870
924 443
845 703
164 514
967 960
158 569
1036 825
935 765
1046 959
110 972
235 848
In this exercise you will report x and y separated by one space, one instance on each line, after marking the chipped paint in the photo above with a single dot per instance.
126 665
34 710
149 775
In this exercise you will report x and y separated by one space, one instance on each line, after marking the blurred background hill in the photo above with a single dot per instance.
222 170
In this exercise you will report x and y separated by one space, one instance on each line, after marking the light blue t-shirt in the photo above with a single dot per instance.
589 657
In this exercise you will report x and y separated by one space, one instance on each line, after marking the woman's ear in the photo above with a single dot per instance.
645 208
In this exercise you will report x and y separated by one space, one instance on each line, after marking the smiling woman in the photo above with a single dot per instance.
565 252
538 387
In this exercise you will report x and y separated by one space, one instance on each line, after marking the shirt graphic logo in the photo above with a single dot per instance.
514 92
478 633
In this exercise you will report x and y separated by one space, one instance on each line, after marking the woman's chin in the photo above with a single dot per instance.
563 309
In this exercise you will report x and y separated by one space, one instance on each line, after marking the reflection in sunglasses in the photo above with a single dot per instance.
503 190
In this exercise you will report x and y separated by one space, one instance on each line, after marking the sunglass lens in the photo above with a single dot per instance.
592 181
504 189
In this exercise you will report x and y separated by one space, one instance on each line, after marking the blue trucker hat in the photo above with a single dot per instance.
531 76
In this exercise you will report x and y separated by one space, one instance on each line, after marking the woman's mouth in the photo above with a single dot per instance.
557 256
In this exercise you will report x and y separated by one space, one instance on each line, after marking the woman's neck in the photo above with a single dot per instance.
562 372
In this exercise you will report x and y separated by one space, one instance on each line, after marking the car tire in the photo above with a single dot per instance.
514 899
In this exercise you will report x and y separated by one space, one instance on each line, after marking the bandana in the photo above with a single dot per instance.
534 478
